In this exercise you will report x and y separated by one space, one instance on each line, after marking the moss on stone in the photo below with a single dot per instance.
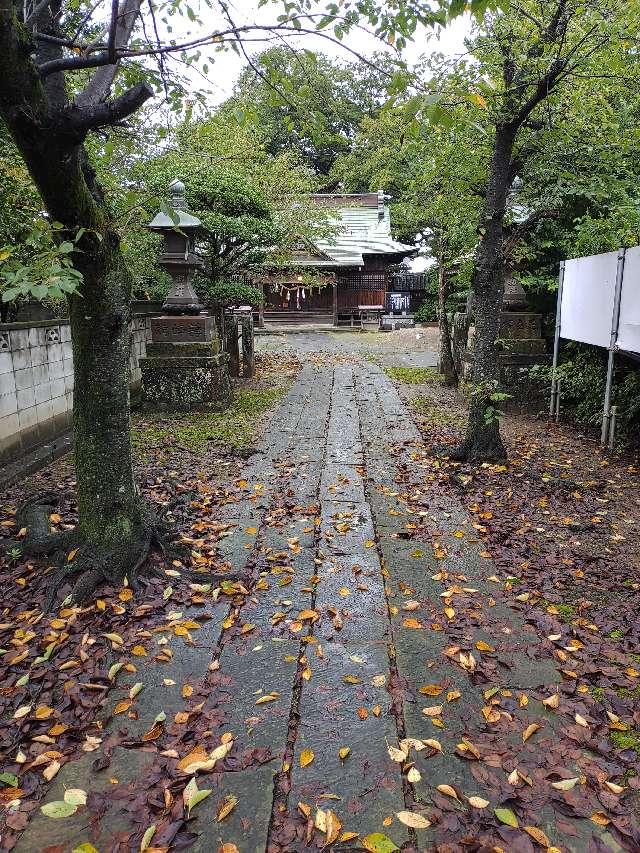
237 427
413 375
625 740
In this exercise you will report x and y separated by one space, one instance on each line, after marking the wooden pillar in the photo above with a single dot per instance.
261 307
248 360
335 304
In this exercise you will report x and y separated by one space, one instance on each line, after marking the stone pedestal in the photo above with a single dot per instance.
185 377
522 347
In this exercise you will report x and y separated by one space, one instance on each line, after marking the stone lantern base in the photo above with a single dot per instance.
522 347
185 376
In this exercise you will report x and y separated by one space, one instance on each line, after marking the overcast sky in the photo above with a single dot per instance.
224 71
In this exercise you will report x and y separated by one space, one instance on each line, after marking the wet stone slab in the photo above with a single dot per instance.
367 783
247 826
122 802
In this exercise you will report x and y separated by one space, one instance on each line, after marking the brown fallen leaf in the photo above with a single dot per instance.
226 806
477 802
537 835
448 791
413 820
530 730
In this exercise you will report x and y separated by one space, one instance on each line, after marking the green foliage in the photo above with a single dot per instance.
224 293
47 272
428 311
306 102
625 740
583 376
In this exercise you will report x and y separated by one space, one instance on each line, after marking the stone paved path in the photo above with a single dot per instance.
343 627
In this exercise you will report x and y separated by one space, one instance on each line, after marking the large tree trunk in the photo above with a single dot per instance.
114 530
446 365
110 509
483 440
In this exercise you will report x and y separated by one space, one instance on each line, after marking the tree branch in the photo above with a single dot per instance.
97 89
113 31
80 120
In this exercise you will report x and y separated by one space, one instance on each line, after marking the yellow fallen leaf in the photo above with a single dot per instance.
565 784
306 757
448 791
530 730
478 802
537 835
50 771
413 820
395 754
43 712
225 808
270 697
431 690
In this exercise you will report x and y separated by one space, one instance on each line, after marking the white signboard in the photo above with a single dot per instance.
588 295
629 326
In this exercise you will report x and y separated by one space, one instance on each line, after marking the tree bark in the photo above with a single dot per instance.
113 522
446 365
483 440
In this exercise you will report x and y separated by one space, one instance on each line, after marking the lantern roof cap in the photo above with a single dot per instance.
177 215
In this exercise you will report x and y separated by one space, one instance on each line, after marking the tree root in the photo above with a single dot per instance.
481 450
94 564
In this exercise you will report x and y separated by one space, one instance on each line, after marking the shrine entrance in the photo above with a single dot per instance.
298 296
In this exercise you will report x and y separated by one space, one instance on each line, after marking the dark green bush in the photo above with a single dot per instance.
583 374
224 293
428 311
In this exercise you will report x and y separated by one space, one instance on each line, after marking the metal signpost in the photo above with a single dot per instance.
586 324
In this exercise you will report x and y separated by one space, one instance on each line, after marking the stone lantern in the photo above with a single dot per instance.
184 369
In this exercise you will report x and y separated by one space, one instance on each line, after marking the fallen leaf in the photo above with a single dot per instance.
306 757
398 755
58 808
431 690
530 730
75 796
537 835
415 821
565 784
506 816
448 791
225 808
378 843
478 802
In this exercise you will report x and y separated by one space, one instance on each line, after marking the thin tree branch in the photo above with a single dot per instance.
111 44
99 86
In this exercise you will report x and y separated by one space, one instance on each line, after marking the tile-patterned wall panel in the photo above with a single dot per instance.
36 382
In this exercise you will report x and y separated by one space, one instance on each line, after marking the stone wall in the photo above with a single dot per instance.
36 382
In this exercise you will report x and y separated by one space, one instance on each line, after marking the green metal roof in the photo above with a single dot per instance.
364 229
